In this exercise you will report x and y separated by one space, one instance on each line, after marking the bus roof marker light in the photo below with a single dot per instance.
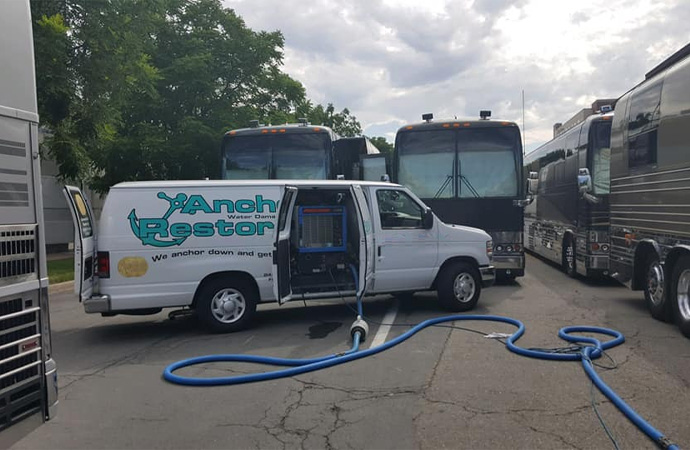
427 117
484 114
409 127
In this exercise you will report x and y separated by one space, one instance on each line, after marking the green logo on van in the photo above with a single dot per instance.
161 233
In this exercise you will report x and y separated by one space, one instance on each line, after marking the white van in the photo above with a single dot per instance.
222 247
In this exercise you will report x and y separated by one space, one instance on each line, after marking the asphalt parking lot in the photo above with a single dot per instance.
445 388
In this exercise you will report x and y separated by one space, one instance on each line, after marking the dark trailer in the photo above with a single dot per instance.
470 173
352 157
564 223
650 190
295 152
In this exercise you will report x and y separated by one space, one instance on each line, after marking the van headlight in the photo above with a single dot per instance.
490 249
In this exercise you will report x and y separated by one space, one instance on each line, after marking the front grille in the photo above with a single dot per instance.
21 365
17 253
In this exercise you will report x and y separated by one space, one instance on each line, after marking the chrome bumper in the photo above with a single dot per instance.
488 274
509 262
97 304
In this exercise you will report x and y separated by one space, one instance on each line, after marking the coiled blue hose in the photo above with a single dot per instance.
593 349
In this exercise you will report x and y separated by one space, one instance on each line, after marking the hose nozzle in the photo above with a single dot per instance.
361 327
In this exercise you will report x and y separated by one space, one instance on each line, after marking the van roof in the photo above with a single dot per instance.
244 183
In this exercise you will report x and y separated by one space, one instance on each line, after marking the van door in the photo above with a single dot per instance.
281 248
84 242
366 243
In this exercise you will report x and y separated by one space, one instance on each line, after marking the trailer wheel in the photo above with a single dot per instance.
459 286
226 305
680 294
658 303
569 259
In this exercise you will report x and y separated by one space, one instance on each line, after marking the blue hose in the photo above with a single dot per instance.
592 350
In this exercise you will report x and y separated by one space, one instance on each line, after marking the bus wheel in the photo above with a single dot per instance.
459 286
680 294
569 260
225 305
655 296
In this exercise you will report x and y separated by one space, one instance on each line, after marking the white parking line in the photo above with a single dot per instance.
382 333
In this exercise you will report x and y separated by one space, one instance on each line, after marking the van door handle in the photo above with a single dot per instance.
379 251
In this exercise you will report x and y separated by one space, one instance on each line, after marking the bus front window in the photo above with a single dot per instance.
487 164
300 156
601 158
246 158
426 161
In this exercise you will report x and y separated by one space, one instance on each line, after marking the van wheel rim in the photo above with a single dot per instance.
228 305
655 283
683 294
464 287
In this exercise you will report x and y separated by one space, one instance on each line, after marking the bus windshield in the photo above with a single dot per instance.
284 156
601 157
474 163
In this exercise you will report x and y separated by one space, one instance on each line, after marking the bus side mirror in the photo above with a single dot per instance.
584 181
427 219
533 183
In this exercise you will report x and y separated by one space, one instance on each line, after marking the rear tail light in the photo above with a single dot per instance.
103 265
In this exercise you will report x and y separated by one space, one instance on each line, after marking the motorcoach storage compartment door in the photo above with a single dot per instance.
366 242
84 242
281 249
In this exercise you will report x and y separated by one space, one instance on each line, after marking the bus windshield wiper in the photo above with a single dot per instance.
449 178
469 186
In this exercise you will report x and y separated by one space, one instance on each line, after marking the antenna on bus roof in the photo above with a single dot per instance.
253 124
484 114
303 121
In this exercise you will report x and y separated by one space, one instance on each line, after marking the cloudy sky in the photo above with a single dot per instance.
389 61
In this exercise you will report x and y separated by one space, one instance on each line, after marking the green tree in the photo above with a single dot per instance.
144 89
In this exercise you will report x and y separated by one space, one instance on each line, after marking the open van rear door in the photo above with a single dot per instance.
84 242
366 243
281 249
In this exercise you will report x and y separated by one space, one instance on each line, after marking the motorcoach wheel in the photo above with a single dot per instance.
655 296
680 294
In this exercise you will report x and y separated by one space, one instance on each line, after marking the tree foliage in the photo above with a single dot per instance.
144 89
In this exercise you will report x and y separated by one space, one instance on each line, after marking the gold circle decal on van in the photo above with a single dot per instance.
132 266
81 206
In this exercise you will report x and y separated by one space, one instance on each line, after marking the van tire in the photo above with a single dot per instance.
680 294
226 305
459 287
657 299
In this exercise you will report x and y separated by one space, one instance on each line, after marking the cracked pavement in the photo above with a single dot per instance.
444 388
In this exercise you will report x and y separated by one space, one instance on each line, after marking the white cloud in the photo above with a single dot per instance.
389 61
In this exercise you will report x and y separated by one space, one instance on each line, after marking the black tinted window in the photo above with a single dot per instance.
642 149
644 108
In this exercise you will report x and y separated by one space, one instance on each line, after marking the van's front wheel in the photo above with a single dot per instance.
459 286
225 305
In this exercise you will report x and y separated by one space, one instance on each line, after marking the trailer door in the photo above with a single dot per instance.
84 242
281 249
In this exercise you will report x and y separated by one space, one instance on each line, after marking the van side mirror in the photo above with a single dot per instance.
533 183
428 219
584 181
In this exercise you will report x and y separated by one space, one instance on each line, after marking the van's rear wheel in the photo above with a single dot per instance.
225 305
459 286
